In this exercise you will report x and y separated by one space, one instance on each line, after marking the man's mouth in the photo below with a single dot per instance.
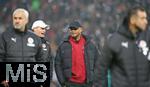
42 33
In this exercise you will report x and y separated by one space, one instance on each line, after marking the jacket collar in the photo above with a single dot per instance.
87 38
19 32
124 30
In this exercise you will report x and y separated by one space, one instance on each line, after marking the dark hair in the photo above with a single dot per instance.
132 12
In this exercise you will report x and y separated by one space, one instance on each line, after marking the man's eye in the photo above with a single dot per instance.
20 18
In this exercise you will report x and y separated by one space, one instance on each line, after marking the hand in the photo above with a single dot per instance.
64 85
5 83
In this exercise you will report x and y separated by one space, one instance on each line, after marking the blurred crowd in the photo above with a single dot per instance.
99 17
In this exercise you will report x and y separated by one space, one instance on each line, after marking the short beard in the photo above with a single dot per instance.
77 38
139 29
19 28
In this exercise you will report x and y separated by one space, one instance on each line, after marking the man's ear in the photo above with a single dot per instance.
27 20
81 29
33 30
133 19
69 30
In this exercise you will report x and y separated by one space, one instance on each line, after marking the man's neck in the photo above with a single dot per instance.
77 38
133 30
22 29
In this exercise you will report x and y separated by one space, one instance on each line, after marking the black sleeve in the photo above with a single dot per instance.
2 72
50 60
2 47
58 67
148 37
41 55
101 67
47 56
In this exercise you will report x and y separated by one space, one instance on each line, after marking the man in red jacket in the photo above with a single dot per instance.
75 59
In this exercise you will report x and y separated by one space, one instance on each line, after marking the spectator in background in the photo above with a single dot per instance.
126 54
75 58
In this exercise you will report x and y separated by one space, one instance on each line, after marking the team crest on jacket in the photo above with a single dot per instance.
44 47
30 42
144 49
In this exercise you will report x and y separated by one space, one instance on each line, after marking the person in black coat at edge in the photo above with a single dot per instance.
126 53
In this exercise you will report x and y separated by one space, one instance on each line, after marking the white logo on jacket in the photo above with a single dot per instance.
143 45
124 44
145 50
13 39
44 47
30 42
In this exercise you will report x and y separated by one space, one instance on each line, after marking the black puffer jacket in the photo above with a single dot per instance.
63 60
47 52
18 46
128 58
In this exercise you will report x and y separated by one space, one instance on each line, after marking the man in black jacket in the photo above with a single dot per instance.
75 59
18 44
126 53
39 27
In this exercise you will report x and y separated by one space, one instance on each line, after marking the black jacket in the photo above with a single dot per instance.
47 52
18 46
127 57
63 60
